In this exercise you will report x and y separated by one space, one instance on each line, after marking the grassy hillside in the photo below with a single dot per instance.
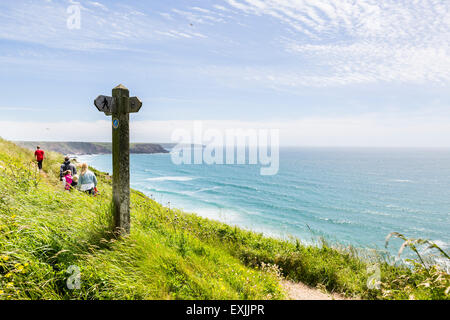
168 255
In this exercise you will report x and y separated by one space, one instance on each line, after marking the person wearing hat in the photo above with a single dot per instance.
66 166
39 155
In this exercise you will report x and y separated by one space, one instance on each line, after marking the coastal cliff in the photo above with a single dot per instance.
77 148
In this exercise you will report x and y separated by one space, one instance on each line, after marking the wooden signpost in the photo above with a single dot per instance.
120 105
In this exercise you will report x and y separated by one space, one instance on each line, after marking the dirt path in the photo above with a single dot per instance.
300 291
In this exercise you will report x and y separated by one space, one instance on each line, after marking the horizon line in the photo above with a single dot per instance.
281 146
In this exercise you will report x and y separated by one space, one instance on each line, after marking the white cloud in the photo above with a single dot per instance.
201 9
385 19
98 5
329 43
166 15
198 16
370 62
19 109
348 41
366 130
178 34
114 28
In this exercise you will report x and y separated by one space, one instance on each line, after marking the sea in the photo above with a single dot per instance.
347 196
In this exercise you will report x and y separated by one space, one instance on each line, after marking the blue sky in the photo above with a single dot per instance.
324 72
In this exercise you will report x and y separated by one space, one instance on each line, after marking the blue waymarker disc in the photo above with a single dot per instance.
115 123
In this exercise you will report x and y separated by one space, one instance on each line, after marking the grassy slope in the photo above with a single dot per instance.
169 254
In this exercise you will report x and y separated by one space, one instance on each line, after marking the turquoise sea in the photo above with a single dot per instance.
351 196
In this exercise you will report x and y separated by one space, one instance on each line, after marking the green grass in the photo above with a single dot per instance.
168 255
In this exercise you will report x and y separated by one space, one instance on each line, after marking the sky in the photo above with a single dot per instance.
323 72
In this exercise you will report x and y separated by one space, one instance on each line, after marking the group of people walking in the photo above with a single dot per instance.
86 181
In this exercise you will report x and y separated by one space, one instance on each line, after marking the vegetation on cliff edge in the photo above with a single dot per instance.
168 255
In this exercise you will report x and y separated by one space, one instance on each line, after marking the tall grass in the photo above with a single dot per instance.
168 255
45 230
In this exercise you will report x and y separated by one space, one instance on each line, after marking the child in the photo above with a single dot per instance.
74 181
68 179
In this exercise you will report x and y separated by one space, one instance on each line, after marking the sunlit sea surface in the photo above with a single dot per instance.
350 196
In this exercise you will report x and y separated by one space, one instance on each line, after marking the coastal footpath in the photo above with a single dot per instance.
49 237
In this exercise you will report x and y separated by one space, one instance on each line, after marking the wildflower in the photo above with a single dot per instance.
20 269
9 284
8 275
2 292
13 216
5 258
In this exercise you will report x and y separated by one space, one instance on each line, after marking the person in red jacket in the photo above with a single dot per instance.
39 154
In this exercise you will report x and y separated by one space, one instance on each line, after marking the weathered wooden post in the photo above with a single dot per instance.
119 106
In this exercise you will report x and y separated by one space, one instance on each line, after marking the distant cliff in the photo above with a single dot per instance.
77 148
